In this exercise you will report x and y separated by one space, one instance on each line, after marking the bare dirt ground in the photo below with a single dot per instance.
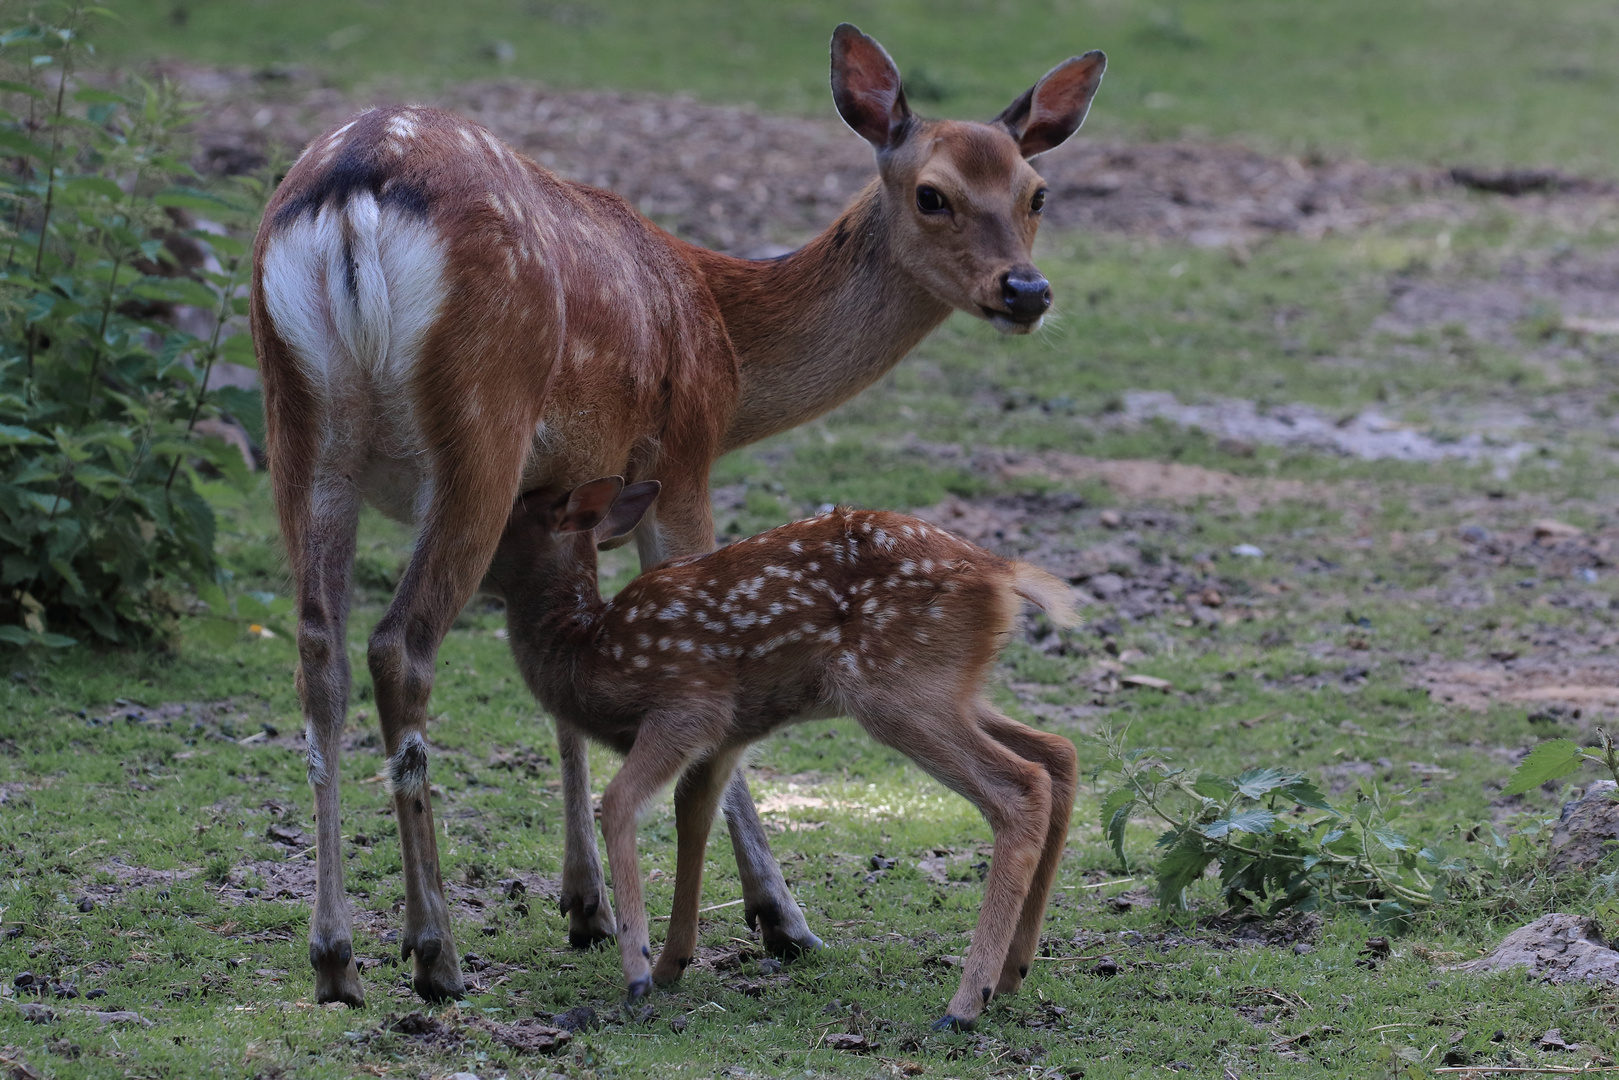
745 181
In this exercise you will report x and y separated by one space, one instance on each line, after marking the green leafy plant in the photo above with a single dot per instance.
1557 758
104 470
1277 841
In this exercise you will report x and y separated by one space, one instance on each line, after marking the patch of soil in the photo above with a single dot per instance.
1368 435
527 1036
750 182
1560 283
130 876
1132 574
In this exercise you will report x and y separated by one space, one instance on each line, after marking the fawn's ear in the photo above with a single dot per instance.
588 504
867 89
1053 108
628 510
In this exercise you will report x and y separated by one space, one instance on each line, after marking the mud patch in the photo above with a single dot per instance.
1135 575
1367 435
750 182
1591 687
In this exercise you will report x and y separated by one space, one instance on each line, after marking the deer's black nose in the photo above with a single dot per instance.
1026 293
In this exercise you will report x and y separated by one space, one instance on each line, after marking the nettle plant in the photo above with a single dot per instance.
1276 840
104 474
1556 758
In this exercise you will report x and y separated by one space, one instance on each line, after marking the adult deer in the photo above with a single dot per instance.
873 615
441 323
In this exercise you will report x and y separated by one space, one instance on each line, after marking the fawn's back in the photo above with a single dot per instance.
799 621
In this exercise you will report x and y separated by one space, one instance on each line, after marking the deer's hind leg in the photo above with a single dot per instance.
318 505
943 736
1056 755
458 536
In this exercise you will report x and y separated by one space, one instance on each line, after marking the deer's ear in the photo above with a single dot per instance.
628 510
1052 109
867 89
588 504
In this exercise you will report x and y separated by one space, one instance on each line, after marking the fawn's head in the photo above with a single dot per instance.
965 202
551 536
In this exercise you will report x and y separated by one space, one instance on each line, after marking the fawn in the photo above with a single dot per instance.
874 615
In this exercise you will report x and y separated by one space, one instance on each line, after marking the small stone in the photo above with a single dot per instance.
1553 1040
1302 949
96 993
770 966
677 1024
463 1076
847 1042
86 904
23 980
1247 551
1107 968
1110 519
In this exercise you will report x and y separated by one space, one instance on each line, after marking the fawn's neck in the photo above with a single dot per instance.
814 328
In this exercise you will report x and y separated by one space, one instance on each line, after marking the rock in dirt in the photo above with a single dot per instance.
1557 948
852 1043
37 1014
1553 1040
1587 829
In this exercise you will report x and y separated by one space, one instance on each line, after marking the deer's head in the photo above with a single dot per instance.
963 199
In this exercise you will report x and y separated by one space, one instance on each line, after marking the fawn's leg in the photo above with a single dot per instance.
1056 755
682 523
697 797
654 760
584 889
1014 795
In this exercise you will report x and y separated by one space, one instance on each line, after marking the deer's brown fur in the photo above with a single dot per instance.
442 323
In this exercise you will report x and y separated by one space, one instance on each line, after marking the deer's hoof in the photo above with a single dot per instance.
640 988
787 938
336 976
953 1023
590 922
436 975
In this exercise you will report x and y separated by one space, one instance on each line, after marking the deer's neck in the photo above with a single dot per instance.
814 328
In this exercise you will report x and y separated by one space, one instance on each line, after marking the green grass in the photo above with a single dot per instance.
1491 81
228 988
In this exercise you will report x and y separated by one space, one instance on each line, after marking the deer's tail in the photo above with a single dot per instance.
1047 592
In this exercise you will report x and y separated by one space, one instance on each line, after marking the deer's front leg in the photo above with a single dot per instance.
766 903
584 888
682 523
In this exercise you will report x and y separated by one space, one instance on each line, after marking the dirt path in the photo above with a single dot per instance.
745 181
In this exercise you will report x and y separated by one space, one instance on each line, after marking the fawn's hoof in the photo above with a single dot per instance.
953 1023
436 975
640 988
336 976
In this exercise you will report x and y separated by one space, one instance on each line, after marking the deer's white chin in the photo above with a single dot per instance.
1012 326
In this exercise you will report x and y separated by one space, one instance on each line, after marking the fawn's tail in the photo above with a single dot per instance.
1047 592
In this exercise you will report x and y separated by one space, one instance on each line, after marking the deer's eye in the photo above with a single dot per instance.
929 200
1038 203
